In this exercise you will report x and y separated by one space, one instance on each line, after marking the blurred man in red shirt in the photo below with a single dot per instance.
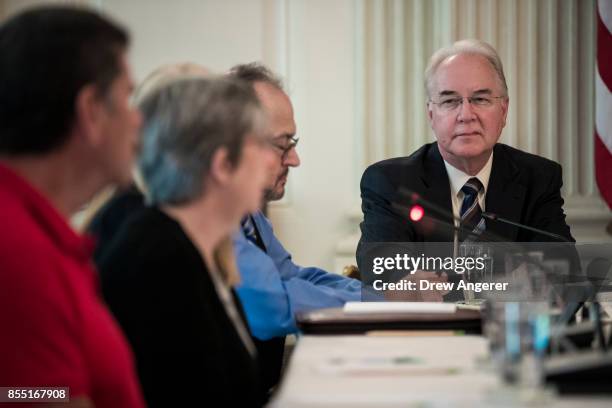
66 131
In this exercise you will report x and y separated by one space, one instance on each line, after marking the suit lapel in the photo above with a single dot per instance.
437 191
505 194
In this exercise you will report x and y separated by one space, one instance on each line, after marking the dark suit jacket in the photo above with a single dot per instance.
523 187
109 219
187 350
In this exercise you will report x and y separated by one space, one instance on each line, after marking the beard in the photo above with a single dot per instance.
278 190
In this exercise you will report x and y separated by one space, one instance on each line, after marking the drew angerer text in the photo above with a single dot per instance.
424 284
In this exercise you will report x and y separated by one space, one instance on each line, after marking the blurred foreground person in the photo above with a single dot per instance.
168 274
66 131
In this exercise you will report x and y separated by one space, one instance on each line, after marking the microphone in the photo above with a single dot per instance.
445 217
494 217
415 198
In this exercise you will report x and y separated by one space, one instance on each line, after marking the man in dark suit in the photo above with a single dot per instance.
465 172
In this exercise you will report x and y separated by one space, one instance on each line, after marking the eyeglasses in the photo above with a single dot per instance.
290 142
449 104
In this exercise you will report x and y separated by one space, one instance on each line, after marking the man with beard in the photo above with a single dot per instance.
273 288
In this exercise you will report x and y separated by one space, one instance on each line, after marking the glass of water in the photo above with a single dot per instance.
481 255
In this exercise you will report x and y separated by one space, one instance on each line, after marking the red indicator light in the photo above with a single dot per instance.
416 213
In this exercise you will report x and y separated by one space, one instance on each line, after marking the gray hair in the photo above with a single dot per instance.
474 47
184 123
164 75
256 72
159 77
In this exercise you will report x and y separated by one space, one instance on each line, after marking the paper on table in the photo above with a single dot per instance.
398 307
399 364
477 307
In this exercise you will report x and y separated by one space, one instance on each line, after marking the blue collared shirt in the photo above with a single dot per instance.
273 288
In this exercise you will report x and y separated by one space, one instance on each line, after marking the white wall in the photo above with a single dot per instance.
321 81
216 34
311 44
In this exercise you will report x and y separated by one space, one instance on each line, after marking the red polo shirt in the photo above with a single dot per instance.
54 328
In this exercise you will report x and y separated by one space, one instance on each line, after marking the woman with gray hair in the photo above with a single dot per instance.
167 275
107 212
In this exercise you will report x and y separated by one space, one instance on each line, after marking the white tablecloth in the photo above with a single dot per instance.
366 371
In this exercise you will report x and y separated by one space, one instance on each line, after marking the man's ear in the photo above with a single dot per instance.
89 114
220 167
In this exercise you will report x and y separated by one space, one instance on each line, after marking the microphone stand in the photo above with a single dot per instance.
495 217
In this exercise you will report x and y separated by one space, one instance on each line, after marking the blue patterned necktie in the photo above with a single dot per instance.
248 226
471 214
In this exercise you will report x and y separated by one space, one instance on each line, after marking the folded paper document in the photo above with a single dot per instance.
398 307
